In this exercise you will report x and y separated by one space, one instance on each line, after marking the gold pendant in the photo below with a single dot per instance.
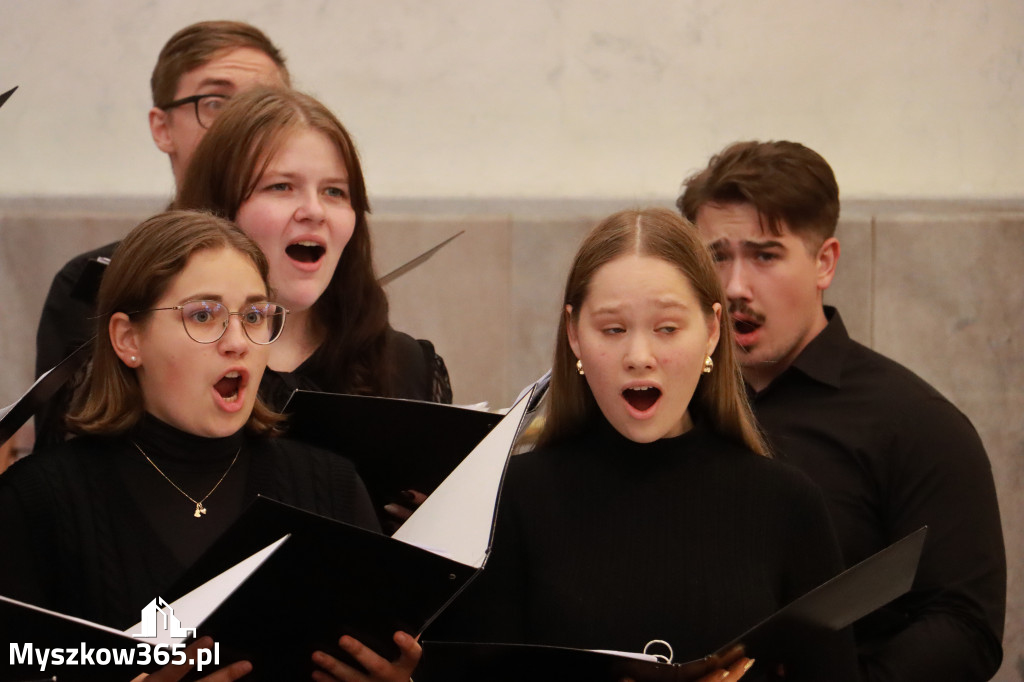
200 510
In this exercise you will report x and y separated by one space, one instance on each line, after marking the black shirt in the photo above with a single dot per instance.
605 543
93 530
892 455
67 321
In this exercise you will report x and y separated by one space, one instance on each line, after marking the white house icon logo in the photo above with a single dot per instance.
154 611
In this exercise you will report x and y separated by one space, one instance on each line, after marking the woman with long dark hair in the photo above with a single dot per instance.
281 165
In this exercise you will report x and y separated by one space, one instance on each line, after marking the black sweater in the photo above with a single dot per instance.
603 543
93 530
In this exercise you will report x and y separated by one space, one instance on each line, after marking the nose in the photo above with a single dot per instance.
735 280
234 341
311 208
639 352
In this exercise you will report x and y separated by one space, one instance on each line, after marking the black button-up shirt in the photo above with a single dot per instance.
891 455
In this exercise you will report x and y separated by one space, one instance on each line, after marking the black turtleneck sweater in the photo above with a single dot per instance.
603 543
93 529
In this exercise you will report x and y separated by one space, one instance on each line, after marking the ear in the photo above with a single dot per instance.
571 331
827 259
125 340
714 327
158 129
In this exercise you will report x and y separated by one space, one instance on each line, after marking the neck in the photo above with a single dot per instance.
760 375
297 342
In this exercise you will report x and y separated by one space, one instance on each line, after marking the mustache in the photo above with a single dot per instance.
741 308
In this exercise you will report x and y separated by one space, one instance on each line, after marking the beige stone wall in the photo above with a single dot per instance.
936 285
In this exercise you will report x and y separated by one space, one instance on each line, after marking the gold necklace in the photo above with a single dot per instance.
200 509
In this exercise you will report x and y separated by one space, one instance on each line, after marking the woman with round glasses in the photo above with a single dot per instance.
280 165
173 441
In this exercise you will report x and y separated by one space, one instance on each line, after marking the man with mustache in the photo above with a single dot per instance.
889 452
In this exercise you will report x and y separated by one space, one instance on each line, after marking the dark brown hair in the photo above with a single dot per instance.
225 169
657 232
141 270
195 45
784 181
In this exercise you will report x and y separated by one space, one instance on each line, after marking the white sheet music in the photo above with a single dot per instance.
456 520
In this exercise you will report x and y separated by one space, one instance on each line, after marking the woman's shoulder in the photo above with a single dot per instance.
418 371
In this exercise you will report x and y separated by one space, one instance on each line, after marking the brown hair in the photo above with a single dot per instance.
225 169
142 268
195 45
657 232
784 181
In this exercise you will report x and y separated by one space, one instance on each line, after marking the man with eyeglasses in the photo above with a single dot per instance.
199 68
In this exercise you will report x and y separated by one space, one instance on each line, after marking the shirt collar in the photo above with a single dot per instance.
822 358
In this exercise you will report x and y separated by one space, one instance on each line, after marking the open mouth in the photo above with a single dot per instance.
305 251
229 386
745 326
642 398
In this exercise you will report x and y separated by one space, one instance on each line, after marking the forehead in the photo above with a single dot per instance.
229 71
736 224
307 147
223 272
633 278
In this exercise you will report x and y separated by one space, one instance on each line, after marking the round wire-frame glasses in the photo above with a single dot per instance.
206 321
207 107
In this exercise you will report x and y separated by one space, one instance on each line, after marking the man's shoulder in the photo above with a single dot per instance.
869 369
79 261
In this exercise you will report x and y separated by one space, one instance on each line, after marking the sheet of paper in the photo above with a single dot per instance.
456 520
193 608
57 614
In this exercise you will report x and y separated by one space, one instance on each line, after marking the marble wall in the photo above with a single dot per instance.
936 285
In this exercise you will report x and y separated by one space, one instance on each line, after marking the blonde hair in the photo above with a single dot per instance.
720 396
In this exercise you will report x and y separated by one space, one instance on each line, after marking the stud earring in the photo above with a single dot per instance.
579 367
709 365
134 359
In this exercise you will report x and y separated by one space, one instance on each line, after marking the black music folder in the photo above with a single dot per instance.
829 607
45 387
396 444
7 95
282 582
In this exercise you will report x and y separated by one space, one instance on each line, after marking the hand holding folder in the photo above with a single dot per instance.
282 582
789 632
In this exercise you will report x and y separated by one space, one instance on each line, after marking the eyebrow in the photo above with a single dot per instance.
289 175
252 298
216 82
749 244
661 303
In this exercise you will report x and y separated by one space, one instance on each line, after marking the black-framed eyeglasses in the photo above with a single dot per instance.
206 321
207 107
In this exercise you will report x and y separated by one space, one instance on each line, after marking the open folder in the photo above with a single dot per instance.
396 444
788 632
20 411
282 582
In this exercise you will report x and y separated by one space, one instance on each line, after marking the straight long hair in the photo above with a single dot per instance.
720 396
352 313
110 400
